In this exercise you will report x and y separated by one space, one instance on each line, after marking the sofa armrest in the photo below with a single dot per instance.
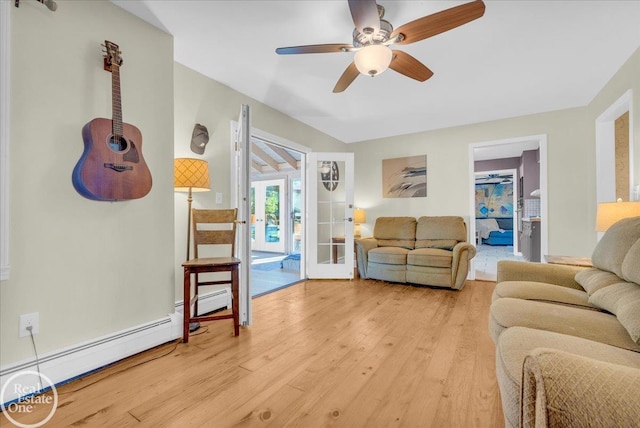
463 252
362 249
509 270
561 389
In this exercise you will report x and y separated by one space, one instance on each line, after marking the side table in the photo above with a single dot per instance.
568 260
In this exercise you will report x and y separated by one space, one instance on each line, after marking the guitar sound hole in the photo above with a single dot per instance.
118 144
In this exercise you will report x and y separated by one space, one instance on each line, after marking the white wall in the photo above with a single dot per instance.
89 268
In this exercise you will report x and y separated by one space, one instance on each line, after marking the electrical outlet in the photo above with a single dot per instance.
218 198
29 320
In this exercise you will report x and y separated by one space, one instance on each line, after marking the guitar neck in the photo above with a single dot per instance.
116 101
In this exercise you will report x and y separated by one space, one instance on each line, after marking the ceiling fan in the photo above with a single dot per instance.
373 35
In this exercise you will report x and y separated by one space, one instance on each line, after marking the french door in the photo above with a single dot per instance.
330 214
268 219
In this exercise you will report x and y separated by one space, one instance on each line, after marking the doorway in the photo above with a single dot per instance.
496 218
493 160
276 215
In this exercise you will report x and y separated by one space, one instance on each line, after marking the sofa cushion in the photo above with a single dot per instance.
589 324
389 255
593 280
430 229
631 264
517 342
531 290
395 232
610 252
623 300
430 257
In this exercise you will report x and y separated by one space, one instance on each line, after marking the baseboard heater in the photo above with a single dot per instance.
78 360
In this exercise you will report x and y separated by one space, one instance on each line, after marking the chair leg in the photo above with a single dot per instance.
235 305
195 303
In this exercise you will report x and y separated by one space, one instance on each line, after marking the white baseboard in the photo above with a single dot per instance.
212 301
73 361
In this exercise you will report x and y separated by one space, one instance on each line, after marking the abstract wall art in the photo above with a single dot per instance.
404 177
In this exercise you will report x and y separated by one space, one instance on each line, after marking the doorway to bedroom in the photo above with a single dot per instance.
508 202
496 219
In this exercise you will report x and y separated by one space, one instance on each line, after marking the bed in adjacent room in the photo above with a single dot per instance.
495 231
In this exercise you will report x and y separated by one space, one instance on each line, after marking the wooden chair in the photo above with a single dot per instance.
211 228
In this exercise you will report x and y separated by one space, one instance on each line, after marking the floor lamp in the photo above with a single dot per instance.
190 175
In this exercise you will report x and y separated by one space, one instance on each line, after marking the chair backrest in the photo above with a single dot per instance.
214 227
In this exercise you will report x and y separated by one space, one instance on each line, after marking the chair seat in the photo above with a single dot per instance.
211 262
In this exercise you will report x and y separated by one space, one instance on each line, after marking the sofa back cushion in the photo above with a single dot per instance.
440 232
612 249
631 264
395 232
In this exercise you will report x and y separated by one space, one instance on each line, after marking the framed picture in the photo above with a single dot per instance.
404 177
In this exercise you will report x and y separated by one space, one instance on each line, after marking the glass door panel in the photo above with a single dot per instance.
267 220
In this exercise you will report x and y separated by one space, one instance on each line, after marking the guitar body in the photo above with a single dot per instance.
111 168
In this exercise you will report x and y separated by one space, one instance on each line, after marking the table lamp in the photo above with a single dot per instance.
611 212
359 217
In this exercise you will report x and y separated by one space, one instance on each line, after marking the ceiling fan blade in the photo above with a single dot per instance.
347 77
439 22
365 15
405 64
328 48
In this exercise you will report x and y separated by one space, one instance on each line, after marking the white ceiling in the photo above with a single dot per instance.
521 57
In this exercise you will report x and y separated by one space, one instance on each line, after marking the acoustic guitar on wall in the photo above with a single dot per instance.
111 167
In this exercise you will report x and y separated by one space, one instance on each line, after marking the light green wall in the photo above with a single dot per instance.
199 99
89 268
570 154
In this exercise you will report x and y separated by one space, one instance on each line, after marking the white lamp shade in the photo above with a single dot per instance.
373 59
612 212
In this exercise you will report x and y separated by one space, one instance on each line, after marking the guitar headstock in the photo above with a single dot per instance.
111 55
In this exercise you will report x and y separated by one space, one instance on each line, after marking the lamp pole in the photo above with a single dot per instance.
189 200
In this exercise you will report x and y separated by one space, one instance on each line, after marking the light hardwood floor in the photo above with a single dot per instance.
320 353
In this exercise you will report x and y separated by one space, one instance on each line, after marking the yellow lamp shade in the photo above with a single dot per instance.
359 216
191 174
612 212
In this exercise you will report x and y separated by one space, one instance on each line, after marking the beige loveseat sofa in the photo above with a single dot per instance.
568 339
429 251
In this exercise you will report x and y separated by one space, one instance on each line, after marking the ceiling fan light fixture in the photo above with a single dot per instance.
373 59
